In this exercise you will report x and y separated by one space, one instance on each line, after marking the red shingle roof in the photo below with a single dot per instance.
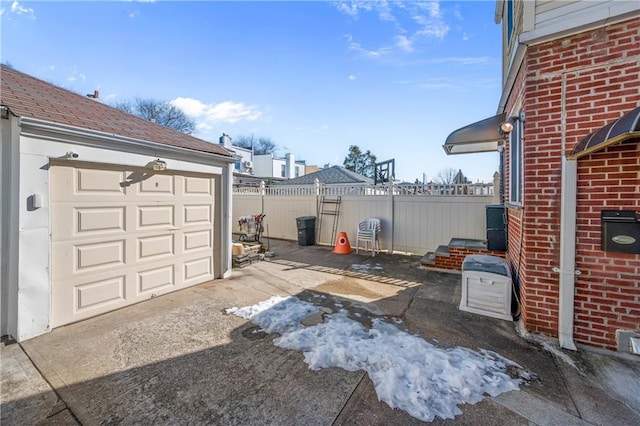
26 96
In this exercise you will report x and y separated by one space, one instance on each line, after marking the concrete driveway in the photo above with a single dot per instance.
179 359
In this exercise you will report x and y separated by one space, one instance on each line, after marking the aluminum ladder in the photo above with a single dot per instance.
329 206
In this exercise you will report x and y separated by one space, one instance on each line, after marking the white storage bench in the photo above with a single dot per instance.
486 286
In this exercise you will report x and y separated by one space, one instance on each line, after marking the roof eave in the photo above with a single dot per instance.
121 141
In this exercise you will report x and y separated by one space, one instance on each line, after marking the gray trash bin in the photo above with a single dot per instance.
306 230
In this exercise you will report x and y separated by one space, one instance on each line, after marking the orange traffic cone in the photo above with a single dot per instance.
342 244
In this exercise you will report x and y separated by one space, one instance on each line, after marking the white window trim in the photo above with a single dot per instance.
516 164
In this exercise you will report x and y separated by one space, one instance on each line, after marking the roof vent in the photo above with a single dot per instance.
95 95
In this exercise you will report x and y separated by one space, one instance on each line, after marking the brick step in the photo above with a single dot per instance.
452 255
443 251
428 259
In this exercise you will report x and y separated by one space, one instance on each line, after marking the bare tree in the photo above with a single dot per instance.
163 113
447 176
261 145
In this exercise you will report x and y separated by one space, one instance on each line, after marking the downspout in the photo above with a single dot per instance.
567 269
227 221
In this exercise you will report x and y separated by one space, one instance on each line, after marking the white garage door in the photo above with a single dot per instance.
123 235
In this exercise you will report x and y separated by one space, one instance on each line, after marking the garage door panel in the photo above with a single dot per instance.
197 186
98 294
86 221
196 269
197 214
100 219
154 217
100 182
157 185
152 248
99 255
197 240
154 280
119 237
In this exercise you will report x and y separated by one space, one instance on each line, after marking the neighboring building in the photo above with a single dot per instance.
571 152
244 156
268 166
460 179
263 167
334 175
311 168
100 209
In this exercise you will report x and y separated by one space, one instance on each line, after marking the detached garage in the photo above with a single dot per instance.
101 209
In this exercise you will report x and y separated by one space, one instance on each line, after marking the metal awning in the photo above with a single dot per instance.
482 136
625 127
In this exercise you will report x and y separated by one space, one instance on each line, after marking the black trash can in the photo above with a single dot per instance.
306 230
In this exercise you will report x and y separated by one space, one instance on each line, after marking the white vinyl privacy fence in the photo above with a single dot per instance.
415 219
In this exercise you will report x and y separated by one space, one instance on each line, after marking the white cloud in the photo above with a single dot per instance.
412 23
18 9
432 24
206 115
403 42
459 83
352 77
432 8
437 85
377 53
75 76
462 60
353 8
384 11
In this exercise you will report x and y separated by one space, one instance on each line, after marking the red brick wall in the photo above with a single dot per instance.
598 75
457 255
608 289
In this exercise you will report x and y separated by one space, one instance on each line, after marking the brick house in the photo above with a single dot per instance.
571 154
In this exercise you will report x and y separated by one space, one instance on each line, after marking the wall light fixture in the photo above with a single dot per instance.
159 164
507 126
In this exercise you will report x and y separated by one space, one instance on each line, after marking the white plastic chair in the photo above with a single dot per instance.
369 232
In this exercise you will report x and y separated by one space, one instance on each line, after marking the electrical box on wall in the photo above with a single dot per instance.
620 231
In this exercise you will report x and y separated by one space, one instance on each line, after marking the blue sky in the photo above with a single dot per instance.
392 77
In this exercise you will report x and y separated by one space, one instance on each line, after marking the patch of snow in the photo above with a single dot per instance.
407 372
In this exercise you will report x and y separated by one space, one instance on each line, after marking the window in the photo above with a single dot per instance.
283 171
515 163
237 165
297 171
510 13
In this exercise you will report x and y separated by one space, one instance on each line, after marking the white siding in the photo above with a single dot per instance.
560 18
263 165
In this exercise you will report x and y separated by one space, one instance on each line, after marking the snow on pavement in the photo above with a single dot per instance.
407 372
